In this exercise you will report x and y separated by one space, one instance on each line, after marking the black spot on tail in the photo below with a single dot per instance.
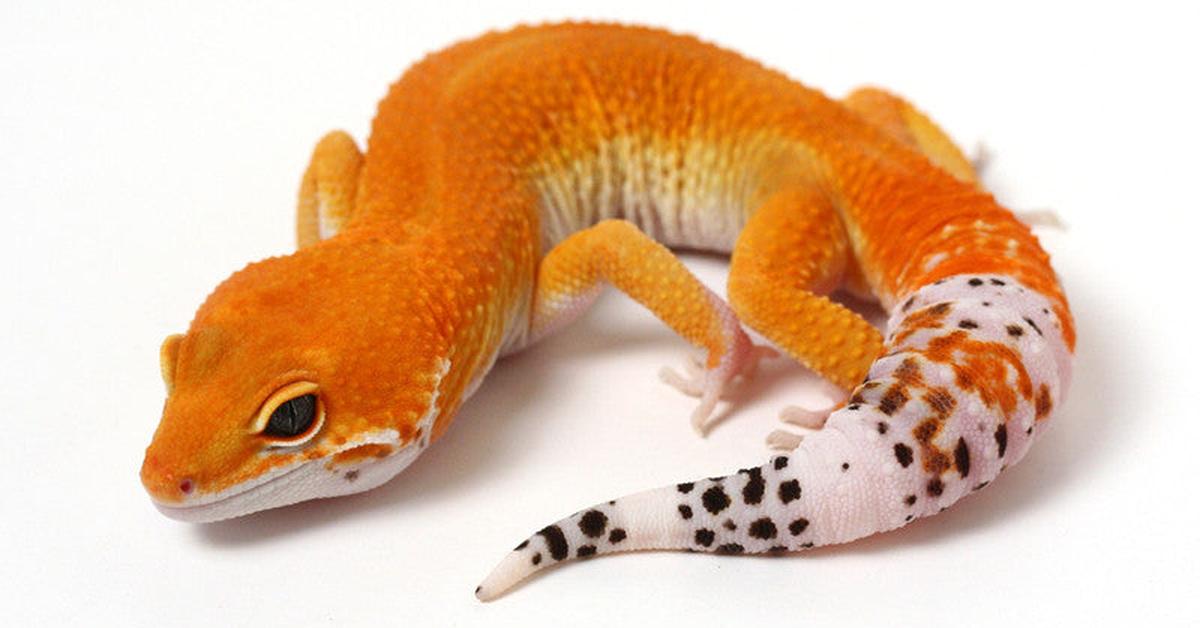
730 548
1001 436
617 535
763 529
781 462
752 493
715 500
556 541
593 523
686 487
789 491
705 537
586 550
685 511
962 458
904 454
798 526
935 487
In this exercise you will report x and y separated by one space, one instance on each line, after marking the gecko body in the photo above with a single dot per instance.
509 178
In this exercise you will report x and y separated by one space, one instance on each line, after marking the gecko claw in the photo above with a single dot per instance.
981 158
1041 218
692 384
711 385
702 416
782 440
811 418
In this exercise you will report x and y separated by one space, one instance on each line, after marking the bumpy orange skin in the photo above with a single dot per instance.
438 261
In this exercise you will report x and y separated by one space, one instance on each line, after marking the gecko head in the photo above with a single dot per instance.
300 377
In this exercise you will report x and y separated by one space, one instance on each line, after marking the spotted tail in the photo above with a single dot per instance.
974 365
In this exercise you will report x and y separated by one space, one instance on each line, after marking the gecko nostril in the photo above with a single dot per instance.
186 486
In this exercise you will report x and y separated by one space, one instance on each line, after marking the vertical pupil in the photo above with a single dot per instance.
292 417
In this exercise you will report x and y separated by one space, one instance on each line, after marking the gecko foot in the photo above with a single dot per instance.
811 418
782 440
981 159
1041 218
712 384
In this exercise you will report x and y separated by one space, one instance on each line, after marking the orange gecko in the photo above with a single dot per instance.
509 178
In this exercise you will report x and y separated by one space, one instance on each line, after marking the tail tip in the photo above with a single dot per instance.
514 568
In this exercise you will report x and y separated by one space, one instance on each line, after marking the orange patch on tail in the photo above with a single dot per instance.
982 367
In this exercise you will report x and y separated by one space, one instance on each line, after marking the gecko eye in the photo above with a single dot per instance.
291 416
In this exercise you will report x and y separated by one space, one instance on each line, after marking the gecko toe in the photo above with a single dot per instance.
782 440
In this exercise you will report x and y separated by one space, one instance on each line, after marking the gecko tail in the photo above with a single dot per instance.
817 495
974 366
634 522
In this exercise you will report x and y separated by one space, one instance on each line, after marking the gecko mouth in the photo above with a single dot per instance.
312 479
241 499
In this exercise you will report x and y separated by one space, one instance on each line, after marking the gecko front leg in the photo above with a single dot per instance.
616 252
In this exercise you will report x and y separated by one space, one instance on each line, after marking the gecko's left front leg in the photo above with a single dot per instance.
616 252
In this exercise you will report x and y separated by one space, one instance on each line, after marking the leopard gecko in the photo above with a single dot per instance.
509 178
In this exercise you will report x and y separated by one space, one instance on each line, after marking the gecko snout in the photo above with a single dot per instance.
165 484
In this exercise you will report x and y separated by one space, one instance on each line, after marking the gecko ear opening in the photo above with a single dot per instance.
168 355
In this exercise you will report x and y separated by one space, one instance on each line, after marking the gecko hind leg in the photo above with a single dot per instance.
792 252
900 120
616 252
905 123
328 190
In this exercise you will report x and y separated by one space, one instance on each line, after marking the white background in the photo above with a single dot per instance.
148 151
